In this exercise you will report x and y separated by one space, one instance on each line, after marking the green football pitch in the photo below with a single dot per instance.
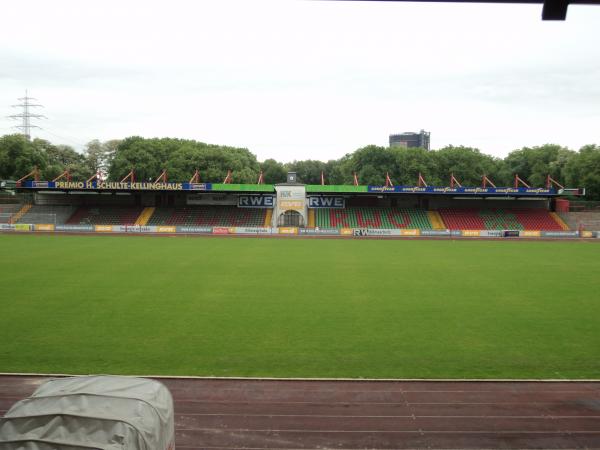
299 307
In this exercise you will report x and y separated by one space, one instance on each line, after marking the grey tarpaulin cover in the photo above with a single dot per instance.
96 412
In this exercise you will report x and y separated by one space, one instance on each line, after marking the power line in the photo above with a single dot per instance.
73 141
26 115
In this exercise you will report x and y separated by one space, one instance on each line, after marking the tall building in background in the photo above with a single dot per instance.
409 139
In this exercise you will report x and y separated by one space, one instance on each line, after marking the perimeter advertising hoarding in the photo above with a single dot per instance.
44 227
22 227
7 226
491 233
117 186
435 233
133 229
288 230
530 233
103 228
358 232
475 191
194 229
252 230
471 233
320 231
560 233
74 228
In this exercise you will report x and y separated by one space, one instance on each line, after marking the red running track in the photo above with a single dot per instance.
253 414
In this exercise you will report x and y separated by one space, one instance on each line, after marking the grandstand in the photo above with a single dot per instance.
291 208
219 216
373 217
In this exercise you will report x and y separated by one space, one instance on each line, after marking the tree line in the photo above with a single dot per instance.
181 158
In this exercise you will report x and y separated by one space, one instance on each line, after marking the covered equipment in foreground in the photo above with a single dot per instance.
94 412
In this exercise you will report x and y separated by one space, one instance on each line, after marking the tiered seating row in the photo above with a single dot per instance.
47 214
498 219
351 217
7 211
105 215
377 217
219 216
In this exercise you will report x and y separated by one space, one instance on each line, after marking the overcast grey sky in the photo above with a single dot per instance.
303 79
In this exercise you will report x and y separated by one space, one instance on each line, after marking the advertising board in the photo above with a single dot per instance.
252 230
256 201
435 232
491 233
116 186
560 234
44 227
409 232
474 191
320 231
74 228
166 229
194 229
326 202
530 233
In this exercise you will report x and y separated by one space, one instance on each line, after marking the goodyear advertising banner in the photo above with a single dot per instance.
256 201
117 186
326 202
475 191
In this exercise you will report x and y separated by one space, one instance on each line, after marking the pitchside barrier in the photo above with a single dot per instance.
293 231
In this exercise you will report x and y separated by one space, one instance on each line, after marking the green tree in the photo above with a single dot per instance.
18 156
583 170
371 164
533 164
273 171
61 158
308 171
181 158
467 164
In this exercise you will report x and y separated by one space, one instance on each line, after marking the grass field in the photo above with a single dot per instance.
299 308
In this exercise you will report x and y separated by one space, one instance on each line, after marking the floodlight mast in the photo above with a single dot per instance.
26 115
